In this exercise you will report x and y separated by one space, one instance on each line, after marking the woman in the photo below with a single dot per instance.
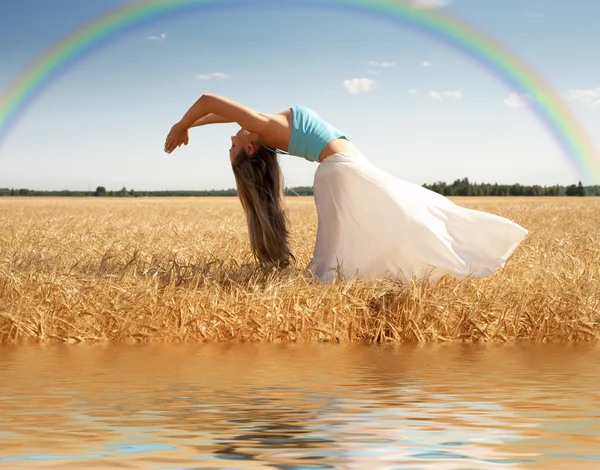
370 223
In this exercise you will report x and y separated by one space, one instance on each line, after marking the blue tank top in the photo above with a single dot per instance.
310 134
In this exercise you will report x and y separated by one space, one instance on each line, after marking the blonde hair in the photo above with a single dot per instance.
260 188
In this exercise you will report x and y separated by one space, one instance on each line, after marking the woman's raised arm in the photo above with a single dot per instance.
207 104
211 119
247 118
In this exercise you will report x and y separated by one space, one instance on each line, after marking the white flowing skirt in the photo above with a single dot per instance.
372 224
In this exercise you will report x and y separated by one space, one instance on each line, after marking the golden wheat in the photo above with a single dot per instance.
180 269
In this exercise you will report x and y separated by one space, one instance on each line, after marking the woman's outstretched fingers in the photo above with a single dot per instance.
176 137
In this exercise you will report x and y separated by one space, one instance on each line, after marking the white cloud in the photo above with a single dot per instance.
429 4
591 96
516 100
356 85
413 92
374 63
440 95
426 64
208 76
160 37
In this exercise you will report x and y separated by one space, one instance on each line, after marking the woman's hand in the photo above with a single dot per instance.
178 135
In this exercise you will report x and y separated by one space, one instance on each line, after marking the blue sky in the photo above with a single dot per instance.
414 106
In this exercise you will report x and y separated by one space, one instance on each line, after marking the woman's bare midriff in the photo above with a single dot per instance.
336 146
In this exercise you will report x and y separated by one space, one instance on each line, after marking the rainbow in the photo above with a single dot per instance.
506 66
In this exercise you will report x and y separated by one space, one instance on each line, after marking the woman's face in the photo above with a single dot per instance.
242 140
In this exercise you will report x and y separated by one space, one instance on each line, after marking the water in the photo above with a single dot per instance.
299 406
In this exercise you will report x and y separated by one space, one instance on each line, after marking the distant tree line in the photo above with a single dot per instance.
465 188
101 191
458 188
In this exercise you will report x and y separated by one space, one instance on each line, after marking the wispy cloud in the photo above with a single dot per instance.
413 92
440 95
426 64
429 4
374 63
160 37
357 85
590 96
208 76
516 100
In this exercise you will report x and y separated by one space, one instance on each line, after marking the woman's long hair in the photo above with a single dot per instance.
260 188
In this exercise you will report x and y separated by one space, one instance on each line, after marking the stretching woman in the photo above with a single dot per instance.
370 223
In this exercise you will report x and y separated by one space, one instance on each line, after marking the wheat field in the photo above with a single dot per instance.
180 269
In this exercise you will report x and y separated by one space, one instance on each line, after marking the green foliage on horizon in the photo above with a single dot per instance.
465 188
458 188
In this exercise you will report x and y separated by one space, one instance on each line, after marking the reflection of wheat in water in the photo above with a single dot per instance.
180 269
442 406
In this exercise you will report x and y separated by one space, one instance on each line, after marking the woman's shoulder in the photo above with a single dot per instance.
285 112
293 111
277 132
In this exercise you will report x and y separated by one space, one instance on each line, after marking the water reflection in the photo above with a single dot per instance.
299 406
